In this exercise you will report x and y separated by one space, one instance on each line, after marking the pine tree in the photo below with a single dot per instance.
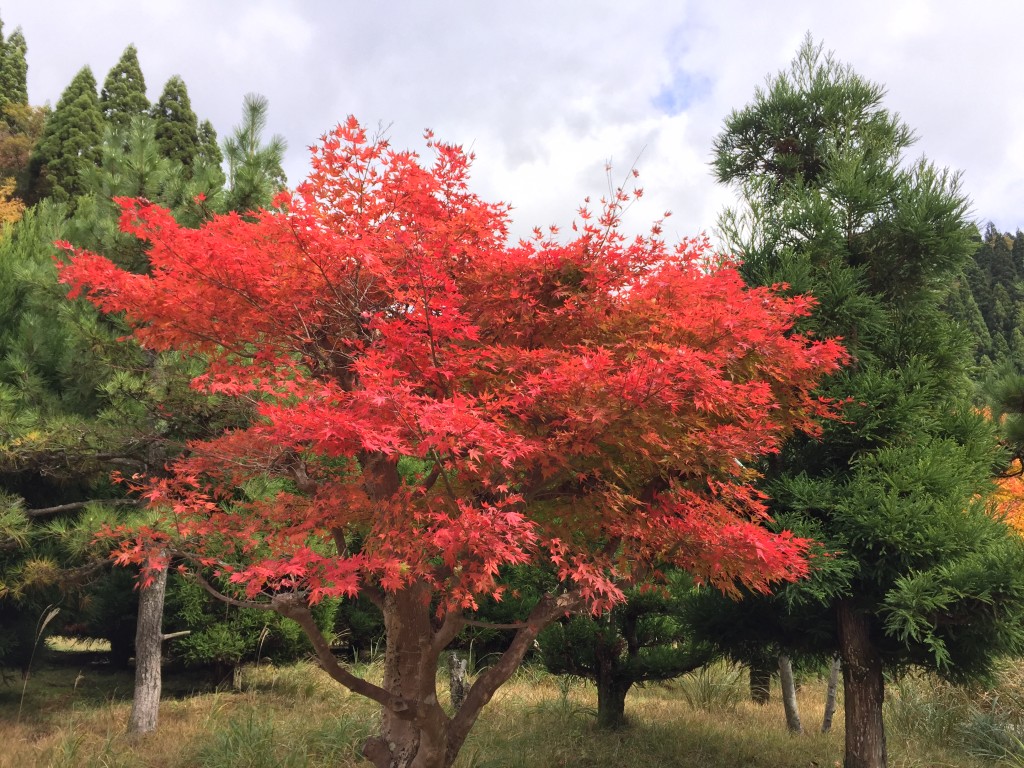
124 91
70 143
254 168
177 129
894 490
642 640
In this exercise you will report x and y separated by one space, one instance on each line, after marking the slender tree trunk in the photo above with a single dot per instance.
789 694
148 648
863 690
830 694
760 682
457 680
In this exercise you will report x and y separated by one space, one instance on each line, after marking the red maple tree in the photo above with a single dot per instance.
444 402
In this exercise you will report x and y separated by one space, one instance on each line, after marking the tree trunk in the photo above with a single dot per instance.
789 695
611 702
410 673
830 695
415 731
457 680
760 683
863 690
148 647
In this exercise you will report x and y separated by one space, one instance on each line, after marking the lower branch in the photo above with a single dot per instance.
295 608
546 611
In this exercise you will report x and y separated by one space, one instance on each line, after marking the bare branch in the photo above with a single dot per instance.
293 607
44 511
228 599
490 625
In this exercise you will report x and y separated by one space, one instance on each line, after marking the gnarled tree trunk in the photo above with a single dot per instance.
863 689
611 701
415 730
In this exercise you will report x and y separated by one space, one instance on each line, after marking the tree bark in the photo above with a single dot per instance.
415 730
457 680
148 651
863 690
760 683
611 702
789 702
830 695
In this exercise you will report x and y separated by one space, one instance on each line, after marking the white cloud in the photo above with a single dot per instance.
546 92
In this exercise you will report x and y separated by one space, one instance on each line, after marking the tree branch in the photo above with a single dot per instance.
293 607
230 600
547 610
44 511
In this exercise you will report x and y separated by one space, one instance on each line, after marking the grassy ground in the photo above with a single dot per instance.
74 714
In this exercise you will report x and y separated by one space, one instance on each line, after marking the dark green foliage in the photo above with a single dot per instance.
642 640
359 626
254 168
110 611
993 281
225 636
209 149
177 130
895 489
13 70
123 97
70 144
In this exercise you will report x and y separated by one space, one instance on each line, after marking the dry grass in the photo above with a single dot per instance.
296 716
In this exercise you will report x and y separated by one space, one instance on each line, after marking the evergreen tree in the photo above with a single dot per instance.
209 148
70 143
994 277
177 129
123 97
641 640
254 168
13 70
895 490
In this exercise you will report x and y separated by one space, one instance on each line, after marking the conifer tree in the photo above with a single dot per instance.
896 489
123 97
177 129
209 148
14 70
70 143
254 168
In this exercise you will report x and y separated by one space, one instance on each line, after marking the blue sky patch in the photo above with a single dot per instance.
685 89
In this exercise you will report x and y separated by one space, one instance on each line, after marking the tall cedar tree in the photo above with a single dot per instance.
210 157
895 489
445 403
71 142
123 97
177 129
13 70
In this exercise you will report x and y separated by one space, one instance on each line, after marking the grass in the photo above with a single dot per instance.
296 717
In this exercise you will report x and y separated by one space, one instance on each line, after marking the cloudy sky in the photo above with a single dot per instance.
545 93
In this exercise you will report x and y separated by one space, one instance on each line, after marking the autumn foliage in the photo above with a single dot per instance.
443 402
